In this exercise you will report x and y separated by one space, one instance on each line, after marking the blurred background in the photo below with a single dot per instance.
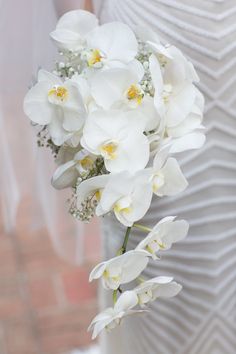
46 302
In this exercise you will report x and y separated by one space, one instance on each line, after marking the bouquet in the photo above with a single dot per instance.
118 107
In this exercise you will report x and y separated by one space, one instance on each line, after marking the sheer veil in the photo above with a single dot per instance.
26 170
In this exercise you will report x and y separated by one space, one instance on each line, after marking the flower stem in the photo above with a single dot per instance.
114 296
126 239
142 227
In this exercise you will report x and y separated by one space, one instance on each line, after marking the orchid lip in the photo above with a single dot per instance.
59 93
109 150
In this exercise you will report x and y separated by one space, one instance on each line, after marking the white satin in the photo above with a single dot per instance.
202 318
26 170
17 64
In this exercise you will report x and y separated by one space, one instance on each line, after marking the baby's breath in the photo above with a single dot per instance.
143 57
71 63
44 140
86 210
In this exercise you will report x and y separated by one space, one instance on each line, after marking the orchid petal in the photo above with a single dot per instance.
175 182
72 28
36 105
116 40
188 142
126 301
65 175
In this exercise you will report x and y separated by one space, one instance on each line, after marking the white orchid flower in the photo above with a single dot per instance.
152 289
72 29
118 137
178 68
128 196
112 316
120 88
121 269
166 176
118 85
89 104
67 174
148 36
186 135
171 58
166 232
173 100
57 105
91 188
112 44
189 133
84 86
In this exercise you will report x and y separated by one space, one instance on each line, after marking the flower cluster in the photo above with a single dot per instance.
117 108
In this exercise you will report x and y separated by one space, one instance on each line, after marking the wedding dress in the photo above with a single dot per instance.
202 318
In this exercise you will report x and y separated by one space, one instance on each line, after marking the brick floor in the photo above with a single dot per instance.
45 303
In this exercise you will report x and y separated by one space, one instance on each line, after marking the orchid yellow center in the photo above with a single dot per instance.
59 93
167 92
95 57
150 249
98 195
86 163
109 150
118 209
123 205
154 246
106 274
158 181
114 277
135 93
162 59
161 245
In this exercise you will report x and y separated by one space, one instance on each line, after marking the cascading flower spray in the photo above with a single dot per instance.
115 110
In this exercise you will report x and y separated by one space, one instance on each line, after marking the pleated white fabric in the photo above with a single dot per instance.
202 319
26 171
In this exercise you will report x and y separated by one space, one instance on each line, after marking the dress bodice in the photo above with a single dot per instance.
201 320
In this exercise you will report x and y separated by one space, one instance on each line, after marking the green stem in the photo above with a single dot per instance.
143 228
126 239
114 296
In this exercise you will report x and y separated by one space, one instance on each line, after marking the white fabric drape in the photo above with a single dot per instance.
23 37
26 170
